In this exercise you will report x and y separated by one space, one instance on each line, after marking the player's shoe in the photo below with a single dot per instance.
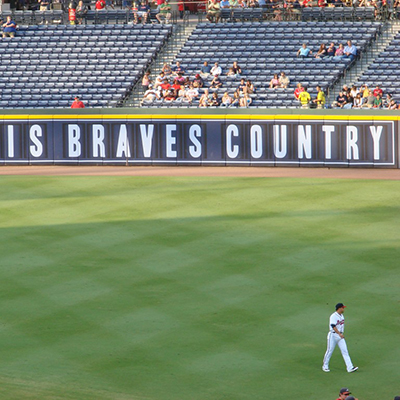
353 369
326 369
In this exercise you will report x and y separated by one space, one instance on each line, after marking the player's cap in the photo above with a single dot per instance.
397 398
344 391
340 305
350 398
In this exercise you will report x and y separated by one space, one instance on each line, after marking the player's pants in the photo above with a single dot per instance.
333 340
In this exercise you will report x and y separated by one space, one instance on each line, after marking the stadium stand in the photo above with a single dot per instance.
48 65
265 48
385 70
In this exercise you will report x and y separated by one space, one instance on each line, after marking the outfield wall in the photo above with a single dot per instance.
201 137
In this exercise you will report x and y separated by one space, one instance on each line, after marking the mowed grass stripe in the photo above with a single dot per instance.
175 288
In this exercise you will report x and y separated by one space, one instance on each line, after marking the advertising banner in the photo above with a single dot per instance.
180 140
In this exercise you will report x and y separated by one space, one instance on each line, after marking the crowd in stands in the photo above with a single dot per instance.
173 84
348 52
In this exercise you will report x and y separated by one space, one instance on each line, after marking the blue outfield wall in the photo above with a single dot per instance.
200 137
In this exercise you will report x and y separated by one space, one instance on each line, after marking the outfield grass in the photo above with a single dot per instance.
196 288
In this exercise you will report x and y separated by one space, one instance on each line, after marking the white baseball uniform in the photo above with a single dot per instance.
334 339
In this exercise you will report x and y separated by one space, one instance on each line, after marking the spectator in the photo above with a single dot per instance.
170 95
354 91
304 98
216 70
304 51
77 103
181 8
377 101
284 81
198 81
357 101
110 3
331 50
350 51
214 12
225 4
320 100
192 93
215 101
158 3
44 5
364 92
236 69
377 91
245 101
231 72
339 52
298 90
321 53
250 87
177 88
177 69
234 3
204 99
159 80
166 69
205 70
165 12
236 98
100 5
146 81
370 99
81 11
216 83
274 82
226 100
242 86
165 86
150 94
143 12
341 100
9 28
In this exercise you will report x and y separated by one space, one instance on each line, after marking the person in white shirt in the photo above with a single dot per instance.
216 70
336 337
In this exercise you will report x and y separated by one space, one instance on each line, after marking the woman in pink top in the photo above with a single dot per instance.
274 82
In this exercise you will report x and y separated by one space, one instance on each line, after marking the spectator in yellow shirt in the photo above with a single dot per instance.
304 98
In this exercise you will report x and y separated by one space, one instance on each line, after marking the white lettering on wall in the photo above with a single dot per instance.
351 141
256 141
376 132
304 141
280 141
10 137
194 133
232 151
170 141
123 144
328 129
74 145
147 139
35 132
99 148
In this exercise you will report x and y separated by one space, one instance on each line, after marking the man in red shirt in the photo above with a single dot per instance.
77 103
100 4
377 91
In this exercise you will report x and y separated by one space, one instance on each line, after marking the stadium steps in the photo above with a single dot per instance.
167 54
388 33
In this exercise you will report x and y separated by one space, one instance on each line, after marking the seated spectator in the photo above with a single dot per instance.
181 79
236 98
357 101
369 103
321 53
354 91
320 100
387 100
216 83
392 105
44 5
143 11
364 92
231 72
198 81
165 86
176 87
159 80
170 95
245 100
241 86
165 13
377 101
192 93
166 69
146 81
339 52
205 70
304 51
377 91
9 28
236 69
284 81
350 51
250 87
150 94
77 103
215 101
177 69
216 69
304 98
274 82
331 50
100 5
226 100
214 11
225 4
204 99
298 90
234 3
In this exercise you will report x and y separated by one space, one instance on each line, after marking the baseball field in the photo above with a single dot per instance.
206 287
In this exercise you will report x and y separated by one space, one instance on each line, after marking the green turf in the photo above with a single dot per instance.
196 288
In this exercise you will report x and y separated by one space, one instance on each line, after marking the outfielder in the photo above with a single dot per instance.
336 337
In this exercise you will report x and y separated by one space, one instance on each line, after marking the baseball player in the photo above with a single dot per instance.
344 394
336 337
